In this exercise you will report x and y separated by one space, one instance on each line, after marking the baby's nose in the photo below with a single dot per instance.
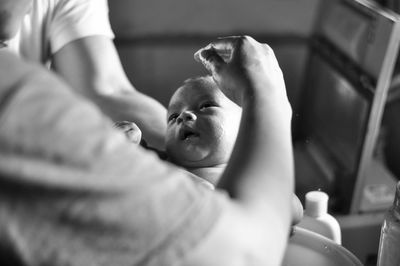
186 116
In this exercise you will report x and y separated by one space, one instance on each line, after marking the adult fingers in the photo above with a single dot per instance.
227 46
218 53
210 58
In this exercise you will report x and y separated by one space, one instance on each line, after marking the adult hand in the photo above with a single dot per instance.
239 64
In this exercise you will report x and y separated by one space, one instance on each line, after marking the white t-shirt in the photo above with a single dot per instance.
51 24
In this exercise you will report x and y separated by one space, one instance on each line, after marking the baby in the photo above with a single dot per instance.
201 132
202 128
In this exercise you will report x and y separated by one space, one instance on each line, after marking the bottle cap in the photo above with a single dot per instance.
316 203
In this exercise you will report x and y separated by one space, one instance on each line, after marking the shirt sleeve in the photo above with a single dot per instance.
74 191
75 19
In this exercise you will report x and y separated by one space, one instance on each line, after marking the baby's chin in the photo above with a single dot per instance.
199 156
200 161
190 162
189 155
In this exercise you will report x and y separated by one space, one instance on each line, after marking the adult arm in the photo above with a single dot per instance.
92 67
259 176
74 191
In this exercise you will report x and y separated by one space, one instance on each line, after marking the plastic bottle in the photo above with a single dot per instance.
389 244
317 219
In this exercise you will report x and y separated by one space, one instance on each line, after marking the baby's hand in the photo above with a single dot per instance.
131 131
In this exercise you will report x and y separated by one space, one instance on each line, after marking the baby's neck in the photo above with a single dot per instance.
211 174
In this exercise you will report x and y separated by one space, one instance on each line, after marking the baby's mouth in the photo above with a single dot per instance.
185 134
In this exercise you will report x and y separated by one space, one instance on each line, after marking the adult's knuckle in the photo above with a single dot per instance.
245 39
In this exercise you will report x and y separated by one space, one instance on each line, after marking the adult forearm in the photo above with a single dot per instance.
259 175
134 106
103 80
260 171
261 166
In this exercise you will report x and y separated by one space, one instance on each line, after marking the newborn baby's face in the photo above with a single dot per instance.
202 125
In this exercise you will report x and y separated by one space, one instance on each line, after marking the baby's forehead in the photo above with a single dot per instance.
196 90
193 90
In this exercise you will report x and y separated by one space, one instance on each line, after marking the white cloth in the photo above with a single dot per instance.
51 24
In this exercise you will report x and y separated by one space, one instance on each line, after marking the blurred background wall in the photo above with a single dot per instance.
156 39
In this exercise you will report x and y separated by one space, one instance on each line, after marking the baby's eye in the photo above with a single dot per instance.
207 105
172 117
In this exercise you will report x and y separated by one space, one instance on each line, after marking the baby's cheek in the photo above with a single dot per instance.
217 128
218 138
169 138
